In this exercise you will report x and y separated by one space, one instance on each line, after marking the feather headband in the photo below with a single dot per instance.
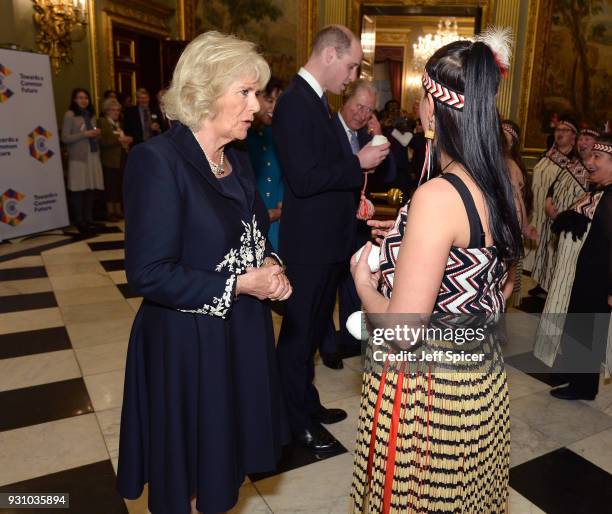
499 40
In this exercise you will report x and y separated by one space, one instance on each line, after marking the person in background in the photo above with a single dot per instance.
582 284
142 122
417 146
261 146
544 174
110 93
113 147
392 113
356 124
523 197
80 135
202 405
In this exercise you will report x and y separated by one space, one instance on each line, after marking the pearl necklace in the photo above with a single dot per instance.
217 169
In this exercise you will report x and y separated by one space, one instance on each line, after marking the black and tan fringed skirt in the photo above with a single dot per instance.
432 443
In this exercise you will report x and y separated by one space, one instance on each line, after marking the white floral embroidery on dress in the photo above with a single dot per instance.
251 253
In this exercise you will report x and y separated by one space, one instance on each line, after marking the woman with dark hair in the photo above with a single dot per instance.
80 135
431 442
523 197
582 284
262 152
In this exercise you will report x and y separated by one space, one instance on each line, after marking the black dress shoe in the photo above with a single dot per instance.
567 393
332 361
317 440
329 416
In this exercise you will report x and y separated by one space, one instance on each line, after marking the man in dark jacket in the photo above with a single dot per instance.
355 126
317 227
142 121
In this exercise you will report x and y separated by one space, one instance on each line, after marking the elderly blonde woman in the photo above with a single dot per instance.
202 406
113 145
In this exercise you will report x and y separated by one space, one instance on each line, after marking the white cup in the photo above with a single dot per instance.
378 140
373 258
356 326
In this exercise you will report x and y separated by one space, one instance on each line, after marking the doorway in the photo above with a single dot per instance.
142 60
392 32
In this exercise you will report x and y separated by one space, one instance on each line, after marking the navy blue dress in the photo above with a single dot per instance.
202 405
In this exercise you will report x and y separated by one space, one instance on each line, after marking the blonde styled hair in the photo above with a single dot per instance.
204 72
109 103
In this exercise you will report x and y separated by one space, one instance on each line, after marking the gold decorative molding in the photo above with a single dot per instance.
335 12
186 19
535 9
393 38
59 24
507 15
306 27
144 15
355 8
139 15
93 53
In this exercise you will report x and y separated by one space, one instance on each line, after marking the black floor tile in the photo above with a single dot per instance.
42 403
32 342
92 490
126 291
22 273
114 265
532 304
562 482
529 364
296 456
27 302
106 245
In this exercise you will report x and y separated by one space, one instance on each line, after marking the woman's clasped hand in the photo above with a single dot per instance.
266 283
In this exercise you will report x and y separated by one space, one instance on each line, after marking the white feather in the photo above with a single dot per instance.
499 40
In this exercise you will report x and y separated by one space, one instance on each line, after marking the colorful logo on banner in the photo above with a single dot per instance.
37 141
9 208
5 92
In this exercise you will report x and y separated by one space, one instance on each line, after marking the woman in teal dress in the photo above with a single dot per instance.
263 157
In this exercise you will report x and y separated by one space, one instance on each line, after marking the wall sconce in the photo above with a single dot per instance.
60 22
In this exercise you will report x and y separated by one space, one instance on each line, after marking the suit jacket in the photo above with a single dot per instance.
380 180
386 172
318 220
132 126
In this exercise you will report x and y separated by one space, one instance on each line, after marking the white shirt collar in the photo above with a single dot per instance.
312 82
346 128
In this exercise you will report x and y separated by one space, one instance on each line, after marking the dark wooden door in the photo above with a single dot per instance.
137 62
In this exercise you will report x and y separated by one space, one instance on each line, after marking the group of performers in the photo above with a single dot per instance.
573 259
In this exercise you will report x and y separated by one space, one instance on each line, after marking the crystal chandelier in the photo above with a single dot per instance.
447 32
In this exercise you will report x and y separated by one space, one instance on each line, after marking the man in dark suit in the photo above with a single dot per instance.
355 125
317 227
142 121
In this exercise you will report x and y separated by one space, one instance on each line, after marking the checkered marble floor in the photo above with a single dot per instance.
65 318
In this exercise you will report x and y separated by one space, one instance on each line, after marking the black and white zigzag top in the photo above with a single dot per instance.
474 276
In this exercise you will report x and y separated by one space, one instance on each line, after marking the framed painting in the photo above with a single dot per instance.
568 67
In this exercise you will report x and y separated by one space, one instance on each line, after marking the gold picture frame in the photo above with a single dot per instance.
355 8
